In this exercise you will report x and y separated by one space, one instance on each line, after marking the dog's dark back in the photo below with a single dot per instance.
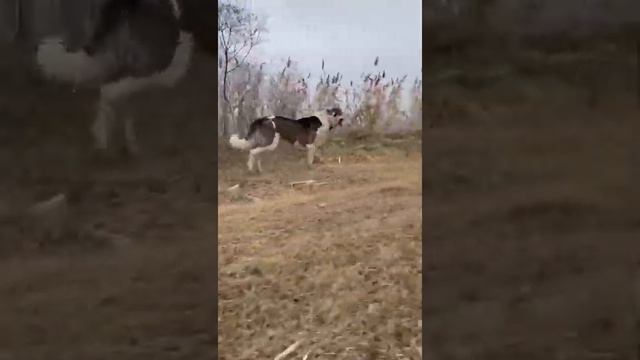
255 125
311 122
302 130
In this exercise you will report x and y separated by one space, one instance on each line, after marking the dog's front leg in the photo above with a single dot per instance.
318 156
311 153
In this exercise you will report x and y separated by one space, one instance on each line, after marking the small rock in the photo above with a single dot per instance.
373 308
108 300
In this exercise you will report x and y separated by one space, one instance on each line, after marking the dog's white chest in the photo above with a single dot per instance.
323 131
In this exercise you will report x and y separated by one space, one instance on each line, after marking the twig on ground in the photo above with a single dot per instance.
253 198
307 183
233 190
175 179
288 350
113 238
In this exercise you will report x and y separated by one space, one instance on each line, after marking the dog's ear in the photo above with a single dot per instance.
334 111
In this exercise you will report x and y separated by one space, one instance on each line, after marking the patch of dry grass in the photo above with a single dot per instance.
132 278
337 268
531 223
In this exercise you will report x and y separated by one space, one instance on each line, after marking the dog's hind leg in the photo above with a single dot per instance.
251 161
259 163
254 162
103 124
256 153
130 136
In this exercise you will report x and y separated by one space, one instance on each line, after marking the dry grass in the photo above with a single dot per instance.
90 297
132 277
532 228
337 267
142 302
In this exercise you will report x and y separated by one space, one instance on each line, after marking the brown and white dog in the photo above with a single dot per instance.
306 133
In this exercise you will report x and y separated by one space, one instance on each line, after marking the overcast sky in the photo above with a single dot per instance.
348 34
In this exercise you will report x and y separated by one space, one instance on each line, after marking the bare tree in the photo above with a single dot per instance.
239 31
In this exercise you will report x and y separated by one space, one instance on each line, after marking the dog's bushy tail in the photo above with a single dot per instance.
57 63
238 143
250 140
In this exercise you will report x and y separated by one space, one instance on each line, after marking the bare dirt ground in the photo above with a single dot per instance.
132 276
133 279
336 268
532 225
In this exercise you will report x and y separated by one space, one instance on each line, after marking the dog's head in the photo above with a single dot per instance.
335 117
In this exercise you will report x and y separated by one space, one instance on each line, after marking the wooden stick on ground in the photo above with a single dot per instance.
288 350
308 183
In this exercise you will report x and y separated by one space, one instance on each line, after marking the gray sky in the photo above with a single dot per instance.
348 34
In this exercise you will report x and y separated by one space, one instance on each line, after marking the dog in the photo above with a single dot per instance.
306 133
132 46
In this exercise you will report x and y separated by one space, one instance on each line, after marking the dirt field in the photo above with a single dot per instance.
133 275
337 267
531 251
134 281
532 225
